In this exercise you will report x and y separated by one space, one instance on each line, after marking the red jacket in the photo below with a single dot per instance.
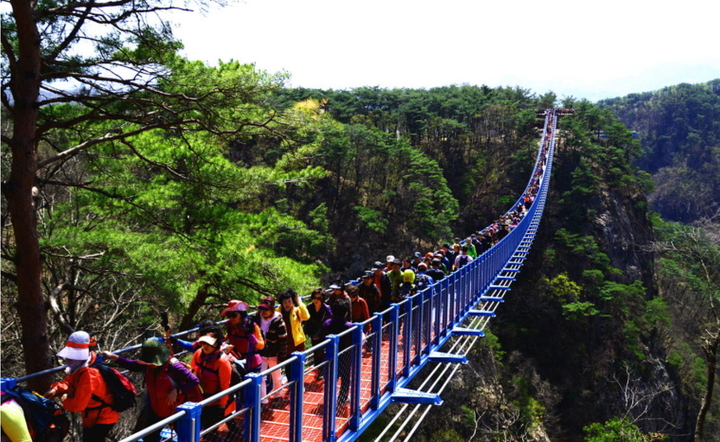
360 311
80 387
247 341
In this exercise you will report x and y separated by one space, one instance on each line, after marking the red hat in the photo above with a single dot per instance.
267 301
235 306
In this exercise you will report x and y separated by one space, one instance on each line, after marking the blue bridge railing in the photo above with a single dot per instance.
356 384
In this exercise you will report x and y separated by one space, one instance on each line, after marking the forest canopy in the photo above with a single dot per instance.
180 186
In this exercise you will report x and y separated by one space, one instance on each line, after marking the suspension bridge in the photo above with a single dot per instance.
436 326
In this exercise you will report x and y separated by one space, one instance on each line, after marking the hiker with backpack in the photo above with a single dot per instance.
463 258
396 280
27 416
214 370
84 390
244 336
169 383
422 279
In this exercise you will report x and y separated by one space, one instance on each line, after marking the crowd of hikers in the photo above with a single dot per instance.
245 343
250 342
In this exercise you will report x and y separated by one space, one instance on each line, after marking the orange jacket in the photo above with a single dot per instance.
80 388
214 372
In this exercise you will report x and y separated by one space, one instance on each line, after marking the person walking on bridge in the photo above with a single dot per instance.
214 371
370 292
84 390
244 336
463 258
168 382
319 313
294 313
275 334
334 326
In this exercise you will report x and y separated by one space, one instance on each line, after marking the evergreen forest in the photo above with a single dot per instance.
125 197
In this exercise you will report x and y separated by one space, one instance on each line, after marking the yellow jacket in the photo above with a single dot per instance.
297 316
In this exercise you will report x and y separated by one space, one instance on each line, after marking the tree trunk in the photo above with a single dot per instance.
25 86
188 320
710 350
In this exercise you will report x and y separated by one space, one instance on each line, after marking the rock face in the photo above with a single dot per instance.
559 375
624 232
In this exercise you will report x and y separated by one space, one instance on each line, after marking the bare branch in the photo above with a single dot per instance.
57 310
77 149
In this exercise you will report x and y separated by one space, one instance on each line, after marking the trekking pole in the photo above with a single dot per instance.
166 328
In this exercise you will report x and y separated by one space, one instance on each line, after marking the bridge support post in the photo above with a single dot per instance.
355 378
377 329
437 311
251 399
407 333
188 427
416 307
297 375
330 394
393 341
426 320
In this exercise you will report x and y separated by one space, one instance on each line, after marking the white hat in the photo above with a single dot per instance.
208 340
390 258
77 347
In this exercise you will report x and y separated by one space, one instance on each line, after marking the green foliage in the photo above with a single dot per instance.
680 131
492 341
598 159
699 368
688 272
444 435
617 429
178 218
468 415
563 289
576 311
371 219
470 132
657 312
382 187
531 410
584 247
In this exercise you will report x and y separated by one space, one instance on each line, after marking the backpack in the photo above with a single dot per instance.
251 357
122 389
422 281
464 259
46 419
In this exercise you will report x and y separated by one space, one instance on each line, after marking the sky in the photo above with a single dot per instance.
583 49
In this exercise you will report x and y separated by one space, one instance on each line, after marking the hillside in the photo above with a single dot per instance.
679 132
339 179
137 183
598 329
